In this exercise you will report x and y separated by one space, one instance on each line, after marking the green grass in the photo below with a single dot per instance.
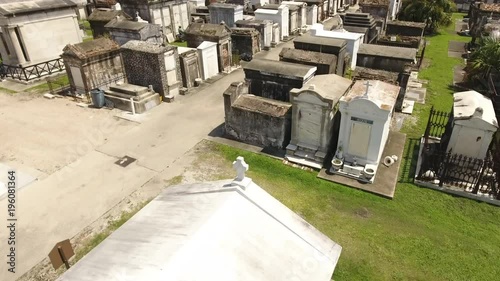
44 87
179 44
421 234
112 226
8 91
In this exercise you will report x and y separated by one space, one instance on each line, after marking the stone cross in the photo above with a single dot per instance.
367 84
240 167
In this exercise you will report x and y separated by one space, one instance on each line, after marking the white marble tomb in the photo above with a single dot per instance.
280 16
207 52
366 112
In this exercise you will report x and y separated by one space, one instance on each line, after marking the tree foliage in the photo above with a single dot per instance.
484 59
434 13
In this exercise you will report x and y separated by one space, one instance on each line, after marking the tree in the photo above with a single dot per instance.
484 59
434 13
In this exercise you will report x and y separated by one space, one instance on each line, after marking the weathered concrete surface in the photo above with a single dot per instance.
93 184
386 178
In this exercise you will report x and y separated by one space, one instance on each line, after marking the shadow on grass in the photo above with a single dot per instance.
410 158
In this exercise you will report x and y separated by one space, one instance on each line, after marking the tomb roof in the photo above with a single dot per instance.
91 48
146 47
225 6
375 74
303 55
407 23
465 105
106 16
266 11
317 30
262 105
210 29
387 51
126 24
328 86
13 7
315 40
183 50
210 231
383 94
253 22
243 30
384 3
355 29
280 68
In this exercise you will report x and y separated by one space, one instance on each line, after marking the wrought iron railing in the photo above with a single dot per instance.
436 125
35 71
470 175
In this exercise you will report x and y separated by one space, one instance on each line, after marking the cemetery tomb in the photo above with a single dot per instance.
366 112
246 41
99 18
153 64
197 33
264 27
93 64
312 14
386 57
256 120
326 63
29 37
227 13
123 30
354 40
279 16
123 96
207 52
472 125
274 79
293 16
313 119
301 13
189 64
327 45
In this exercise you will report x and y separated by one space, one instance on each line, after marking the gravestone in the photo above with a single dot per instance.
366 112
313 119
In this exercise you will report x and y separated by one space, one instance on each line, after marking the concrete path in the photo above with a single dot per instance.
64 203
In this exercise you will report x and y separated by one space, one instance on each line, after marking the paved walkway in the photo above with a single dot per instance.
61 205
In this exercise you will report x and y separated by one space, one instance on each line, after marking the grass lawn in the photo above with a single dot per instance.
179 44
44 87
8 91
420 235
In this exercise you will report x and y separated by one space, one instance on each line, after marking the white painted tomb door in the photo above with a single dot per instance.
359 139
309 127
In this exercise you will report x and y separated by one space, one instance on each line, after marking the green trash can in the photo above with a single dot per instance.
97 96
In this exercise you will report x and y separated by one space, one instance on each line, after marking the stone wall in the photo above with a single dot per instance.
339 52
255 120
271 86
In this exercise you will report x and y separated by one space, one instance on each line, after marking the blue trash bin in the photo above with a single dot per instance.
97 96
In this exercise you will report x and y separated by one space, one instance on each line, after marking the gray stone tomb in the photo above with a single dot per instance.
125 95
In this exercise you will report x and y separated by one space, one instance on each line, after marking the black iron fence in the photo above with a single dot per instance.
471 175
437 123
31 72
455 171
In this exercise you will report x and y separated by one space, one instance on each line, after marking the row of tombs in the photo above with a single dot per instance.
315 117
324 120
139 72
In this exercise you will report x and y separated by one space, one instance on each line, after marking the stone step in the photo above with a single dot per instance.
128 96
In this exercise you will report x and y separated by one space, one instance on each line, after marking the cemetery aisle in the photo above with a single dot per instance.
63 204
